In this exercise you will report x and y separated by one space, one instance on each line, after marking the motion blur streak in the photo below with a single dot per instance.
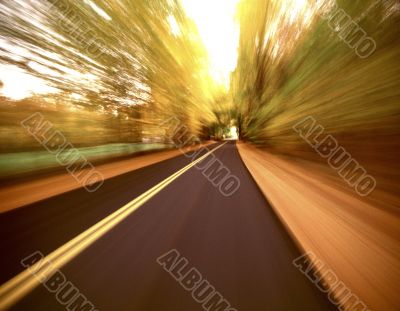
108 74
25 282
294 64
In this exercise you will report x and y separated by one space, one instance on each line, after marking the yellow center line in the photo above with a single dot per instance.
23 283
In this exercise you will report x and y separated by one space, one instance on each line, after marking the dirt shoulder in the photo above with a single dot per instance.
27 192
354 237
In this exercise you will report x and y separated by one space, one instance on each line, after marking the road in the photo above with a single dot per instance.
236 243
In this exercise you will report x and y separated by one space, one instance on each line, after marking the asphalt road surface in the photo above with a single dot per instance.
236 243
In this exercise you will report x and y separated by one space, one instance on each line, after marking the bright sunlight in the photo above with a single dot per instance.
219 32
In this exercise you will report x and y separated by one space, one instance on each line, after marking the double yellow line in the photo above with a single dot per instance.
19 286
